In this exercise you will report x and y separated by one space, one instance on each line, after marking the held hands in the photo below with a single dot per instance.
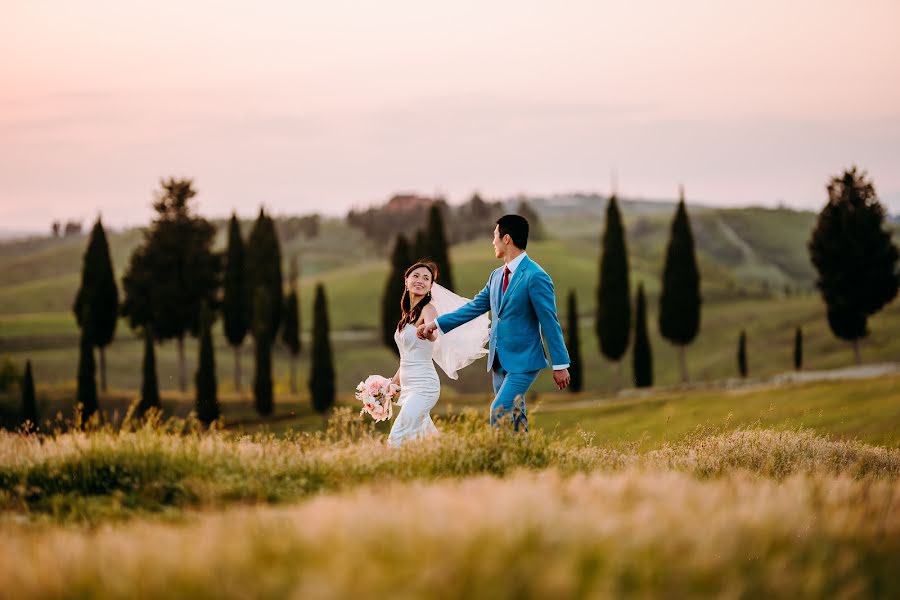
425 331
561 378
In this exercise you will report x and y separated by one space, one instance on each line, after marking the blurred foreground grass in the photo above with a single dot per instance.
470 513
533 535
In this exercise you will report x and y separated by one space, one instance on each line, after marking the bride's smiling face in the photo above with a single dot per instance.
419 281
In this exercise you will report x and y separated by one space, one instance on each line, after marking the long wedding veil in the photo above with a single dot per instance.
465 344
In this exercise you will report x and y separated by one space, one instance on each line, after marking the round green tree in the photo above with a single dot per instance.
854 256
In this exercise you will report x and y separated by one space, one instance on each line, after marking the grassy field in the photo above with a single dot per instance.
769 323
863 409
472 513
866 409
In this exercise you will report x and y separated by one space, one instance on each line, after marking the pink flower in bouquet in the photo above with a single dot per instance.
374 384
376 393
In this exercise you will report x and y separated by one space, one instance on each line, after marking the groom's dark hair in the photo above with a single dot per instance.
517 228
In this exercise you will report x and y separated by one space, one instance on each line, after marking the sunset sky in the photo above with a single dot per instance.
320 106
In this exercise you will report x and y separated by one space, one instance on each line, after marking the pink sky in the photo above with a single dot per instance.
322 106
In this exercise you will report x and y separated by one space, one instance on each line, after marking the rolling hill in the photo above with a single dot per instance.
754 266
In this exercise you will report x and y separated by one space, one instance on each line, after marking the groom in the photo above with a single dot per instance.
521 300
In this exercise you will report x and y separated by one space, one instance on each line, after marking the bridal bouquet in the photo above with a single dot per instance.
377 394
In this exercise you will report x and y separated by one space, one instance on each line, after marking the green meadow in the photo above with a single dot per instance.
764 487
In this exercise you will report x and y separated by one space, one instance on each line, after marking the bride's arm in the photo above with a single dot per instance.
429 314
396 378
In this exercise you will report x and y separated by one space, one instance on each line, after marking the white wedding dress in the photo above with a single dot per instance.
420 386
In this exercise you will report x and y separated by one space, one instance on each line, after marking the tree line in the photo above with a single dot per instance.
853 254
850 248
175 286
412 216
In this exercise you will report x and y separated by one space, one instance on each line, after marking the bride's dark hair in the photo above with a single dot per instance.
412 314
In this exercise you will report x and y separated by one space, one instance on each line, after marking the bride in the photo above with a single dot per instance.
423 301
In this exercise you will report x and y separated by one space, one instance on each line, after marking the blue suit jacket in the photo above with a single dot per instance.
520 316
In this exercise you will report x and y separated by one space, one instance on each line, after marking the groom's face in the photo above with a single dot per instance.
499 244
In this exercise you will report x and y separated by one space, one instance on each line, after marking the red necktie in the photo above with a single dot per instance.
506 274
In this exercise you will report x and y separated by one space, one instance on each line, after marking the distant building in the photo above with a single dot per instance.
408 202
73 228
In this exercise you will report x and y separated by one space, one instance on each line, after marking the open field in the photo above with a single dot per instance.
865 409
756 488
183 514
769 323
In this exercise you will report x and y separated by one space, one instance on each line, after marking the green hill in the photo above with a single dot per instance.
741 250
754 266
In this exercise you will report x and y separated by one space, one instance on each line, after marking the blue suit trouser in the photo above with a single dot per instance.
508 386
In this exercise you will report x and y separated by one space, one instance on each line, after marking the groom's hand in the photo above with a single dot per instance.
561 378
425 331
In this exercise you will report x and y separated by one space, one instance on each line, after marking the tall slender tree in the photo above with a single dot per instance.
535 227
149 381
742 354
321 375
174 272
262 380
29 403
642 354
87 368
854 256
437 246
235 298
205 379
98 289
290 328
419 246
679 303
263 258
393 291
798 350
613 294
573 343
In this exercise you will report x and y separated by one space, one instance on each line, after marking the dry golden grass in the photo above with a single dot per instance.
470 513
531 535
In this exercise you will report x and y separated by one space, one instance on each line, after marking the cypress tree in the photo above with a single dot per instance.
87 369
262 380
321 375
576 374
263 260
437 246
205 378
235 312
642 354
290 327
798 350
854 256
29 403
419 248
149 382
679 303
535 227
98 289
742 354
613 294
393 292
290 335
